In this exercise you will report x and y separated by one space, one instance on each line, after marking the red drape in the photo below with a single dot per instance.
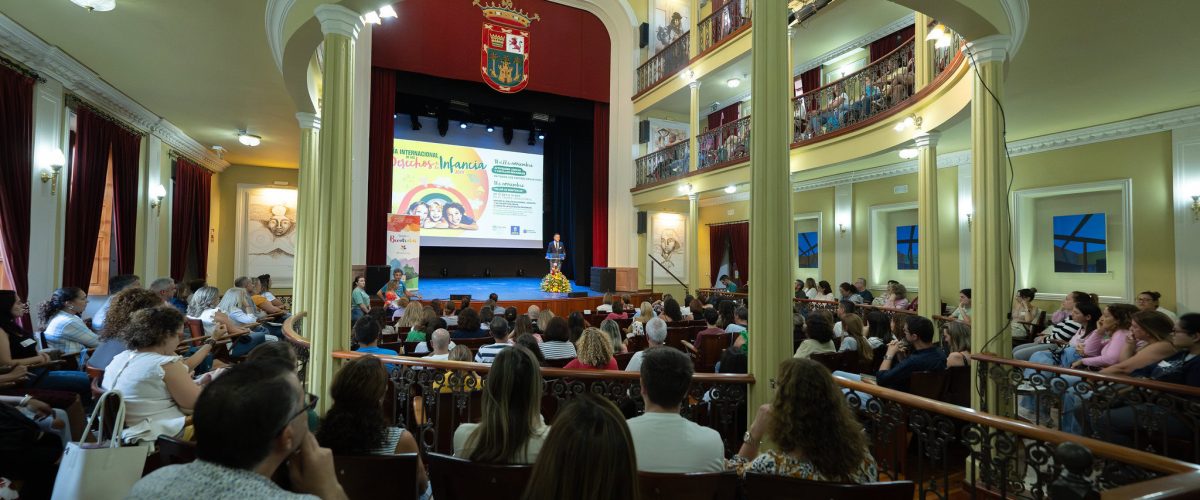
379 162
16 156
809 81
85 195
189 217
718 240
126 153
892 41
739 250
725 115
600 185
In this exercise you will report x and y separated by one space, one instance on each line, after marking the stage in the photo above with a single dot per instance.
509 289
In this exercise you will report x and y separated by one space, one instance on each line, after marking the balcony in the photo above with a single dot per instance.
667 163
664 64
881 86
725 145
723 24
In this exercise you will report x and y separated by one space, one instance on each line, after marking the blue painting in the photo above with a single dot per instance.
1080 243
906 247
807 245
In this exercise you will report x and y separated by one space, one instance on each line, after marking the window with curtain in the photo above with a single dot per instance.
102 265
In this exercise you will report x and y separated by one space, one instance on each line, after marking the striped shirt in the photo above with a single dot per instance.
66 332
557 349
1063 331
391 438
488 353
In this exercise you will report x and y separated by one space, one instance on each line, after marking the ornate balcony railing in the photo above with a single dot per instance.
431 404
666 163
942 447
665 63
723 23
1144 414
729 143
944 56
856 97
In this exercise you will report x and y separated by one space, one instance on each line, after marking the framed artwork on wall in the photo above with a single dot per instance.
266 233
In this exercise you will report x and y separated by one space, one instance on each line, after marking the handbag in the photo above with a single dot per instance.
103 470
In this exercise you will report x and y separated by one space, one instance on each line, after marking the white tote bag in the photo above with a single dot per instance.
100 471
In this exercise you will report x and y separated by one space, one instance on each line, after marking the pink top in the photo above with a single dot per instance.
614 315
1059 316
1110 350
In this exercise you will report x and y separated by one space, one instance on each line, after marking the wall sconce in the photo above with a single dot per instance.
1196 208
911 121
56 159
686 189
157 193
212 235
968 223
842 229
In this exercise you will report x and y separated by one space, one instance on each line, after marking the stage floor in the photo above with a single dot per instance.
479 288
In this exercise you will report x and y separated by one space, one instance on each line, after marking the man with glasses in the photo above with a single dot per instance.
247 423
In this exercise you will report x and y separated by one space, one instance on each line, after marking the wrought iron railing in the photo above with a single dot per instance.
665 63
856 97
722 23
942 447
666 163
1144 414
433 397
727 143
943 57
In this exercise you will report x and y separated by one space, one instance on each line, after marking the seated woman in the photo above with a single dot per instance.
820 336
963 311
469 326
266 309
824 291
511 430
854 340
556 340
458 380
1149 343
425 326
64 329
576 324
156 385
638 325
1061 329
543 320
879 329
588 455
957 336
411 318
121 307
63 389
523 326
355 424
817 437
595 352
1148 301
671 311
1182 368
618 310
1102 347
239 311
897 296
1024 313
613 330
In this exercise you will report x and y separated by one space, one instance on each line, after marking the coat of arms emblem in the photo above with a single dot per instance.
504 57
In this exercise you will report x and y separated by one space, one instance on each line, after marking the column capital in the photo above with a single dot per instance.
338 20
693 197
988 49
309 120
927 140
694 85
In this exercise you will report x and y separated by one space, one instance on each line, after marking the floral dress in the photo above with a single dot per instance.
783 464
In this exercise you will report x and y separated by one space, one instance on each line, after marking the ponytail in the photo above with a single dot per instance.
57 302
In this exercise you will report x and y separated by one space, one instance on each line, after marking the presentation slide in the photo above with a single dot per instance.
469 196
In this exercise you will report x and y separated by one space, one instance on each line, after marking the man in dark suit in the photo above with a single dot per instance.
555 247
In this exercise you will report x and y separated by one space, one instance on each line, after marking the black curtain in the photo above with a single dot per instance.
568 162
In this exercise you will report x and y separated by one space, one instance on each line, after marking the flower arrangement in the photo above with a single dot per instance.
555 282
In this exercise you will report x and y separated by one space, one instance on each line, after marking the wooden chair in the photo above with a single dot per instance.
377 476
927 384
707 351
457 479
831 360
694 486
676 336
449 415
637 343
556 363
195 327
623 359
97 377
773 487
173 451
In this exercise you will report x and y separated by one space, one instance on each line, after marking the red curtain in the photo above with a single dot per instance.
739 250
85 195
892 41
718 239
600 185
379 162
189 217
809 81
725 115
16 156
126 153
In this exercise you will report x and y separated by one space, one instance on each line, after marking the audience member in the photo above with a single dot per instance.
606 303
1148 301
663 439
458 380
115 285
644 313
485 317
824 291
1102 347
1149 343
468 325
879 329
817 436
1024 313
422 328
854 340
710 317
440 343
1182 368
656 336
963 311
366 334
738 325
165 289
248 422
18 350
923 355
523 326
360 302
897 296
499 331
820 335
556 340
844 307
618 310
528 342
510 315
412 318
355 424
1061 330
670 311
849 293
543 322
588 455
810 289
511 430
613 330
957 337
576 324
64 329
122 306
594 350
867 297
264 289
30 448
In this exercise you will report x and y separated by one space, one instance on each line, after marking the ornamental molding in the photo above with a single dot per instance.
855 43
1017 12
50 61
726 198
1143 125
276 16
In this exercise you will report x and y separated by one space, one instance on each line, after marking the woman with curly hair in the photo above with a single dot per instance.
356 425
818 437
120 308
594 351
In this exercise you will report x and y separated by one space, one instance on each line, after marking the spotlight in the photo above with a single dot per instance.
490 129
462 125
541 136
387 11
936 33
372 18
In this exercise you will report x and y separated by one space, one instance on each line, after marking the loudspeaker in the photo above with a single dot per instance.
377 277
575 295
643 35
643 131
641 223
460 297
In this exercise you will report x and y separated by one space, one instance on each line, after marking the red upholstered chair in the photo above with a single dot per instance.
458 479
773 487
694 486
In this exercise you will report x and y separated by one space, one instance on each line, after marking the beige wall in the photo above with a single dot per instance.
225 184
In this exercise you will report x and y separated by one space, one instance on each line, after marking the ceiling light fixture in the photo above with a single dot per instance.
387 12
490 129
908 122
372 17
248 139
909 153
936 33
686 188
462 125
733 82
96 5
731 189
219 151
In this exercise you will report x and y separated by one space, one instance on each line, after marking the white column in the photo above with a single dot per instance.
965 210
45 228
1185 144
154 218
359 167
843 216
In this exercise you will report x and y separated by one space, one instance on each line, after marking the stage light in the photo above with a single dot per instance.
387 11
490 129
372 18
541 136
936 33
462 125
